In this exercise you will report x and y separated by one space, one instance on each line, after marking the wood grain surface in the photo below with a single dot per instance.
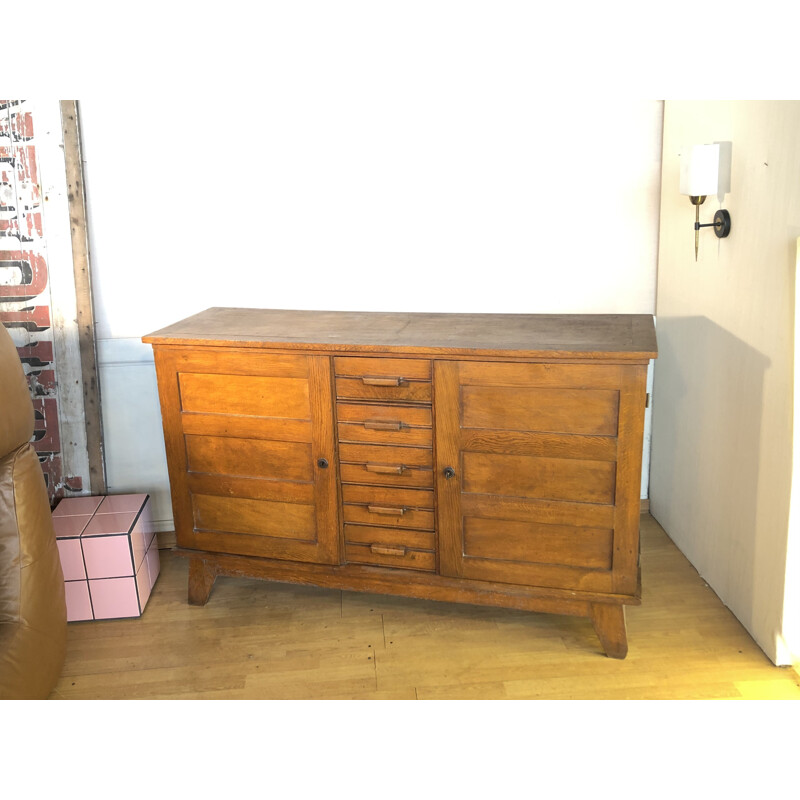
625 336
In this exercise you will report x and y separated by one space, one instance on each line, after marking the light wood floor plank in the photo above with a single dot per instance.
259 640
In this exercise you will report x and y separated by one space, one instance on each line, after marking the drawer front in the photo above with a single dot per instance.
390 547
366 388
418 499
384 424
385 538
385 465
383 506
412 477
418 369
387 475
390 457
383 379
373 514
410 559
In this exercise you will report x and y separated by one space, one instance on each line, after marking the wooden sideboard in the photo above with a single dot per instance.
492 459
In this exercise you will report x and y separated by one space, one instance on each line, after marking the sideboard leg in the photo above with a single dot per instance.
609 625
202 575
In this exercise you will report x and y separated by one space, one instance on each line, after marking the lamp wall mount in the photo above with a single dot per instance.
705 170
721 223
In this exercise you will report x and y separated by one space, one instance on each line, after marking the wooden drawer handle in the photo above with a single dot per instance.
392 512
387 550
380 425
385 469
371 380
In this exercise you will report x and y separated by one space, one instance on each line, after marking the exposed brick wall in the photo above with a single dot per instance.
25 301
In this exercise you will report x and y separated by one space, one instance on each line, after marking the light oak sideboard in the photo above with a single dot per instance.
492 459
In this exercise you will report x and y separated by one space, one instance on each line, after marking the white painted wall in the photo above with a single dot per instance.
331 193
790 628
723 415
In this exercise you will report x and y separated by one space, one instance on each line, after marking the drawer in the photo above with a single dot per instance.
384 424
383 506
386 455
386 465
419 499
374 514
383 379
390 547
416 477
384 538
418 369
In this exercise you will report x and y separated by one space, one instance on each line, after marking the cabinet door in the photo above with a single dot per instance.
250 448
538 473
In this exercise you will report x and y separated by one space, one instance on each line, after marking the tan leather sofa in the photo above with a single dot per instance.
33 614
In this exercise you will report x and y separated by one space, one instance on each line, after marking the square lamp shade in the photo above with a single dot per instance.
706 170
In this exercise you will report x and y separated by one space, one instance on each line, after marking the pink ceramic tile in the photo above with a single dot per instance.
79 607
139 542
105 524
143 584
107 556
153 563
138 547
70 506
145 522
69 526
142 535
116 503
71 559
113 598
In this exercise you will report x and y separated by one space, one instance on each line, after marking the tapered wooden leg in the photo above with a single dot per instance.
609 625
202 575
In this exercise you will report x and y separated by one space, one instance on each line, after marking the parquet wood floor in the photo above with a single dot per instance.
260 640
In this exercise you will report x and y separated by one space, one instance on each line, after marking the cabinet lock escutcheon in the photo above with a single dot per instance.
322 463
449 472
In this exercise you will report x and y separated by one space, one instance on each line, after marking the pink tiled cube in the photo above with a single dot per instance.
66 527
153 562
114 597
79 606
109 555
70 506
71 559
114 504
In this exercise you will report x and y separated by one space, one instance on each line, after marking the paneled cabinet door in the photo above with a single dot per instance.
537 473
250 446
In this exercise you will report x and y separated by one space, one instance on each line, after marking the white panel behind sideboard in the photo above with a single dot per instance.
134 445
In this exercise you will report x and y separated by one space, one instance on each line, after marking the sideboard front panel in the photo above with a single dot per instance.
254 441
533 452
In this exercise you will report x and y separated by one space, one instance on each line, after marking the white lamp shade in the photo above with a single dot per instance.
706 169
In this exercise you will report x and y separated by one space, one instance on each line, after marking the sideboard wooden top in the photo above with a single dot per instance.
627 337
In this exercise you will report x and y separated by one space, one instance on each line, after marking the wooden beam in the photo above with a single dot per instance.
83 291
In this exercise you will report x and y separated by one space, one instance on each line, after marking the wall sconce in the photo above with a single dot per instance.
706 170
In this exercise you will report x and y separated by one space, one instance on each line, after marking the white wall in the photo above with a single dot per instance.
392 192
723 414
790 633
